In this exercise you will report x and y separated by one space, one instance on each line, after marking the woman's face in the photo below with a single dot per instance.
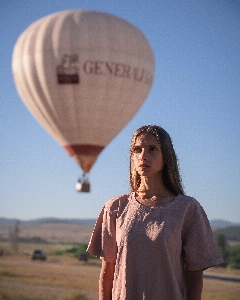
147 157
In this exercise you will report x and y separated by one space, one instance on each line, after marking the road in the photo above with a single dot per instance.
221 277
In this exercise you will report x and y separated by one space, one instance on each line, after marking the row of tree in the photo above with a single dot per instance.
231 255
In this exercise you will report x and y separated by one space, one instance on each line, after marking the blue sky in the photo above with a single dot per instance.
195 97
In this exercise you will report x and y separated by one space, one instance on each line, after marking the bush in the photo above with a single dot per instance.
80 249
223 247
72 250
77 250
234 257
77 297
58 253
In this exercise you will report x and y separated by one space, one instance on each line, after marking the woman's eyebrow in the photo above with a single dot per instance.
148 145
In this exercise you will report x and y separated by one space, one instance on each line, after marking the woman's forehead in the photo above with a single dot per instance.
146 138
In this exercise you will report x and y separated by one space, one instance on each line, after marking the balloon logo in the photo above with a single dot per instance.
83 75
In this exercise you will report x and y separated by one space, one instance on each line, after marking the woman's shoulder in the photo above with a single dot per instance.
116 203
188 203
191 208
188 200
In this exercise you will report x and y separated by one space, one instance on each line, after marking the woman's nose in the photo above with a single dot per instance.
142 155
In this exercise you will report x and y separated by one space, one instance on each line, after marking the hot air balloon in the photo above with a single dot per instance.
83 75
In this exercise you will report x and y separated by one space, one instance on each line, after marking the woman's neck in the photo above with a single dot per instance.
150 187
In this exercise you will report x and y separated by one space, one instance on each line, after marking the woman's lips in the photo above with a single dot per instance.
144 166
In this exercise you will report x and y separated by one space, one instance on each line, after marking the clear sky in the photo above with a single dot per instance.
195 97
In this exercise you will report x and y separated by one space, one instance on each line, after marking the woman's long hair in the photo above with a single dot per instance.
171 176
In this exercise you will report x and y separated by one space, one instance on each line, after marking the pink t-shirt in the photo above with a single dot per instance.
153 246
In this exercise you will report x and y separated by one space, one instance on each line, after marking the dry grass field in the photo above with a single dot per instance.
67 278
64 277
220 290
52 232
61 278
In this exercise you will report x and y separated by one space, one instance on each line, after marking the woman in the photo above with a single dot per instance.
154 242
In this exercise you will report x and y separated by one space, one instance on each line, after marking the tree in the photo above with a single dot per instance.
14 237
234 258
224 248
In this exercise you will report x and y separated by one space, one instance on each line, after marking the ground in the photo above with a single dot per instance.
67 278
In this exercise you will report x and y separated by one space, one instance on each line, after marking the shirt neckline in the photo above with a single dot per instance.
140 205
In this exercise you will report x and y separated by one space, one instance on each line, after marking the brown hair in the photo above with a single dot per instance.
171 175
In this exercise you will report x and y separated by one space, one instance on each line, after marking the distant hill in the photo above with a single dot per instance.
49 230
229 229
222 224
218 223
6 221
232 233
52 230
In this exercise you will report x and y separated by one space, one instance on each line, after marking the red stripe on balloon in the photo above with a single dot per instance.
83 149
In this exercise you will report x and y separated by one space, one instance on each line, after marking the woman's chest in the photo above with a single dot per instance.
157 227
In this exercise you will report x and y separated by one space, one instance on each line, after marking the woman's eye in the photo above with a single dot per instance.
137 150
153 148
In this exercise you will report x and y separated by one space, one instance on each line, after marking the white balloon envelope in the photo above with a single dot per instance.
83 75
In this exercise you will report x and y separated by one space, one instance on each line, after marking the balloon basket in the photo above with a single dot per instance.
83 185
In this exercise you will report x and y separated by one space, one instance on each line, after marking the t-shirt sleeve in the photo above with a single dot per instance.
200 248
103 240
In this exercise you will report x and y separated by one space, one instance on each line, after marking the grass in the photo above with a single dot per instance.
220 290
11 294
64 277
7 274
